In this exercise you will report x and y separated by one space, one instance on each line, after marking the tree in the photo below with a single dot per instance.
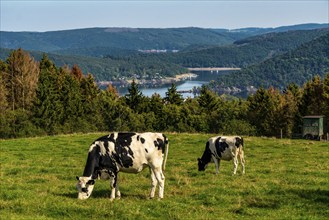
312 102
76 72
71 99
172 96
326 101
156 106
134 98
22 79
262 111
3 89
48 110
207 99
112 90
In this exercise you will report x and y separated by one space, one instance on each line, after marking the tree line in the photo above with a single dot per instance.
39 98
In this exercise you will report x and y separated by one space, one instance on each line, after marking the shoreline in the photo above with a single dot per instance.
154 82
213 68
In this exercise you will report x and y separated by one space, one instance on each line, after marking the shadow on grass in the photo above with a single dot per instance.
318 195
103 194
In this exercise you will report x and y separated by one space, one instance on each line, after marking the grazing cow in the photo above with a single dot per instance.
125 152
223 148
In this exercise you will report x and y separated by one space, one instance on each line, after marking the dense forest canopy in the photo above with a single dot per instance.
295 66
40 98
114 63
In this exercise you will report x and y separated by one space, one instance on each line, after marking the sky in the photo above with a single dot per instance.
47 15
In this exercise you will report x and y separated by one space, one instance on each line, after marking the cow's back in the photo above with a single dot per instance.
142 148
224 147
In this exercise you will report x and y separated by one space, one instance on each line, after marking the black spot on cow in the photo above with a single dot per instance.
103 139
140 139
220 146
238 142
160 144
97 162
205 159
92 161
165 139
146 150
123 153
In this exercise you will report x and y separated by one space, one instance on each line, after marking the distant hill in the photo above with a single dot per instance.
296 66
122 38
92 41
253 31
247 51
107 69
112 53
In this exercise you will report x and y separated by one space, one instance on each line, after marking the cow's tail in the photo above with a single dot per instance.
166 141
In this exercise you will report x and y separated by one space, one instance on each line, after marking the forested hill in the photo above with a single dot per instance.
123 38
296 66
131 38
242 53
246 51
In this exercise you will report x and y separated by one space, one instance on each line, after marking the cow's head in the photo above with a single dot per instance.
85 187
202 165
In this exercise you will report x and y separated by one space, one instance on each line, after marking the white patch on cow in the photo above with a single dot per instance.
111 146
92 147
84 189
102 147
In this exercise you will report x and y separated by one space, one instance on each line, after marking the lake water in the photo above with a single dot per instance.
203 77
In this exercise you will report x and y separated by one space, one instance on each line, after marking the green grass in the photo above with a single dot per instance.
285 179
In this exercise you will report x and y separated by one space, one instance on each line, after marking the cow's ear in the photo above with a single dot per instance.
199 159
77 178
91 182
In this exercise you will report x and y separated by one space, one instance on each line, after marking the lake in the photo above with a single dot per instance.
203 77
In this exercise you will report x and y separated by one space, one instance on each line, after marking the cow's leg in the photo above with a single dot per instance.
217 163
117 191
235 163
242 161
113 186
161 180
153 183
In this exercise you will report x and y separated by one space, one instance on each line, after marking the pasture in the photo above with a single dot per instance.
285 179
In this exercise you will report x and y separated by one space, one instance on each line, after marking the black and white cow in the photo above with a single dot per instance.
124 152
223 148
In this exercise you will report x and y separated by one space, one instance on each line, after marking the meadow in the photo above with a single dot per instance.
285 179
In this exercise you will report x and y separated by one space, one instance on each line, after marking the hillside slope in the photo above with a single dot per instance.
123 38
246 51
131 38
296 66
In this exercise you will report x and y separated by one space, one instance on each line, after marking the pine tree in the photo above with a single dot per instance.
207 99
260 111
326 101
172 96
134 98
312 102
76 72
48 110
71 99
112 90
